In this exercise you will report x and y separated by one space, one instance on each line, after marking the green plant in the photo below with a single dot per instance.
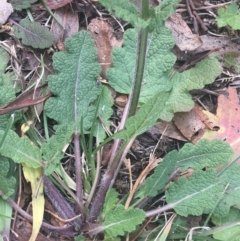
142 68
8 169
229 15
33 34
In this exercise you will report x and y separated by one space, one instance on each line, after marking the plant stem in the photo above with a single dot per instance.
78 166
143 35
60 181
99 198
140 62
130 110
60 204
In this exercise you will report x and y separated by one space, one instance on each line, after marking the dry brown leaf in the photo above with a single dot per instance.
69 20
105 40
223 44
169 129
188 123
185 39
192 124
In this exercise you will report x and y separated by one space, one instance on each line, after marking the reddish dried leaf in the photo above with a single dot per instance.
25 100
228 113
54 4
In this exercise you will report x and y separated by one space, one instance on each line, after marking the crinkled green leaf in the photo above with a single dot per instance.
21 4
229 15
145 118
230 178
166 8
33 34
20 149
126 10
204 154
7 92
105 111
180 100
232 60
7 183
110 201
158 179
234 215
120 76
6 79
163 11
230 226
119 220
195 195
79 238
8 186
4 57
159 61
52 149
110 238
10 79
74 85
229 232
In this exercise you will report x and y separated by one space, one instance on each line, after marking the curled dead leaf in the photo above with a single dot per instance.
25 100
